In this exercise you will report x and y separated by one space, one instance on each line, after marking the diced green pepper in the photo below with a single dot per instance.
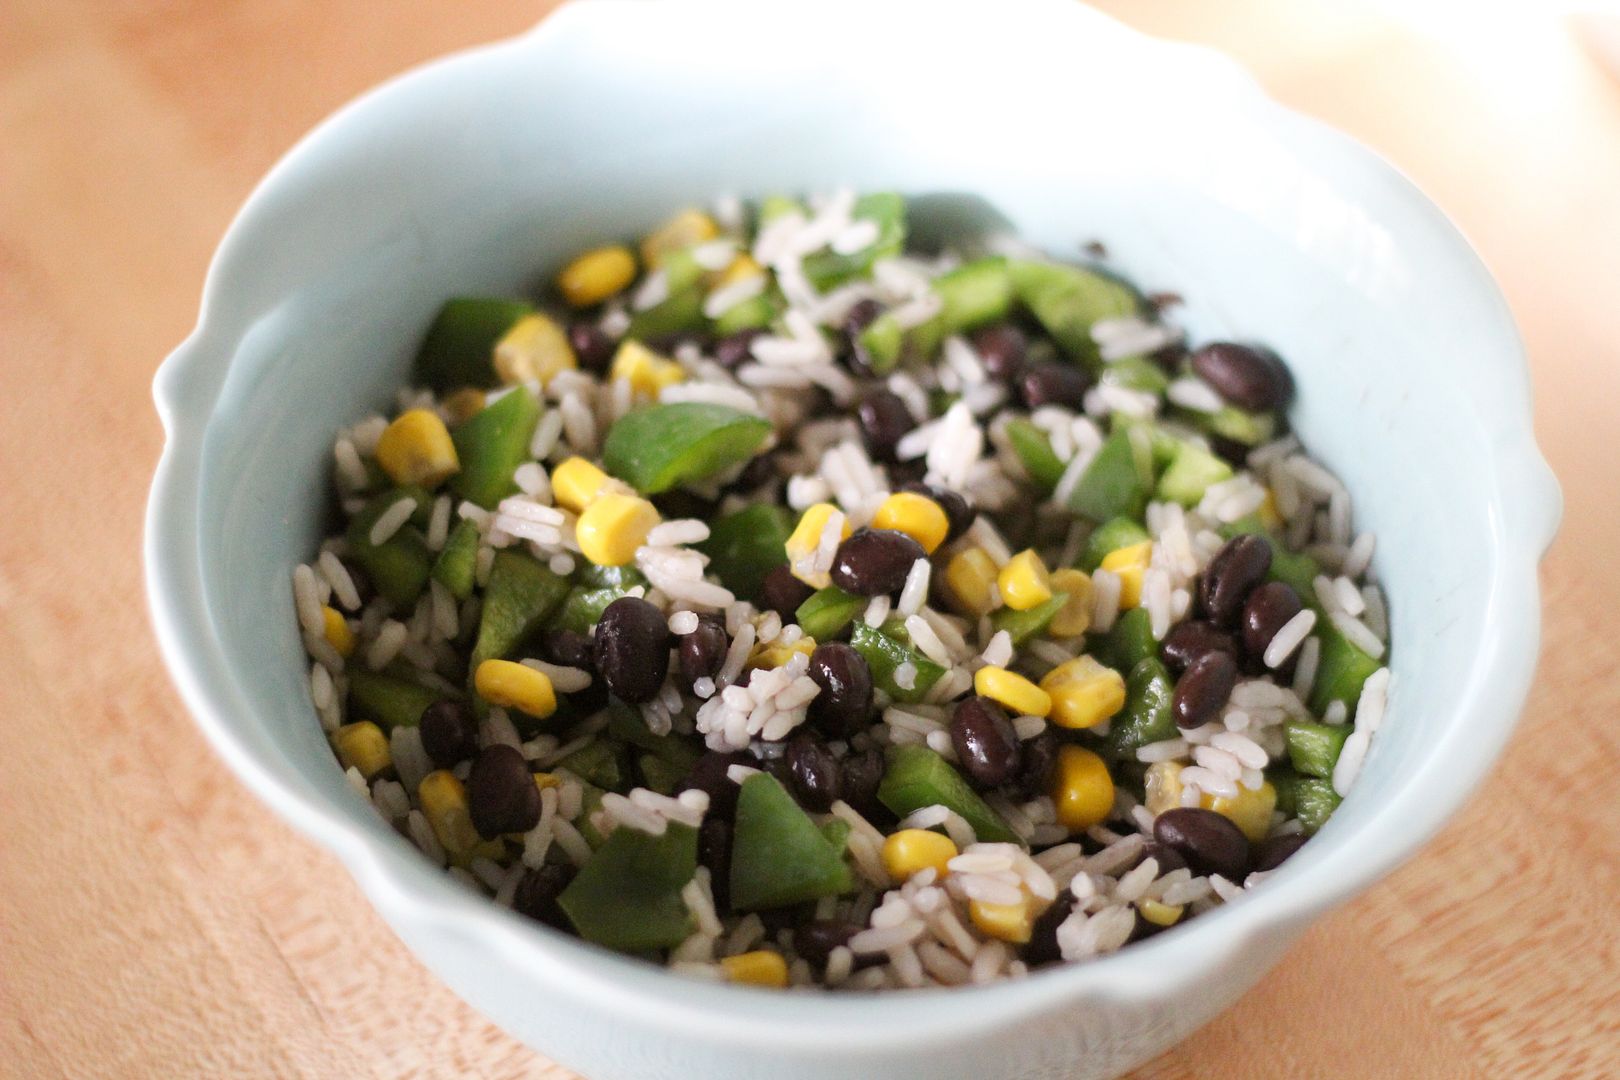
459 348
624 578
1115 484
1286 782
753 314
679 313
745 546
827 269
656 448
582 608
602 762
628 894
1341 671
1314 802
835 831
457 565
1127 643
1146 717
772 207
1034 450
492 444
1023 625
1314 748
626 725
884 653
971 295
390 701
1191 472
399 566
1111 535
521 595
917 777
882 342
1231 422
778 855
1067 300
1135 373
659 775
825 614
590 801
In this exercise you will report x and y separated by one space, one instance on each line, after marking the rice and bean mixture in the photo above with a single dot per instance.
790 607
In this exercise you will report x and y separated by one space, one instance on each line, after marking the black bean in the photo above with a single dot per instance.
1161 301
885 419
1189 640
1039 762
703 651
1168 858
632 649
782 593
815 941
1267 610
959 513
1234 571
1210 843
537 892
816 775
1042 946
501 793
986 744
568 648
1273 851
592 348
862 315
1248 378
732 350
759 470
1203 689
1053 382
449 732
714 852
863 772
709 775
874 562
844 705
1002 349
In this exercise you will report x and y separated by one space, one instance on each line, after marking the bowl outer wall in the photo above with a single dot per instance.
259 297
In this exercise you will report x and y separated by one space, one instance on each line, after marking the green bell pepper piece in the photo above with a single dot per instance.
1115 484
745 546
772 207
753 314
1341 671
1191 472
917 777
1023 625
835 831
679 313
661 446
492 444
827 269
1034 450
627 896
399 566
1127 643
883 342
778 855
1111 535
1314 748
1314 802
582 608
602 762
1135 373
456 568
626 725
1146 717
624 578
828 611
971 295
884 652
1067 300
658 775
1286 782
459 348
1231 422
521 595
390 701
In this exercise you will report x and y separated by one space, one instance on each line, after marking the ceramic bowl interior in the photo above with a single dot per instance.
481 173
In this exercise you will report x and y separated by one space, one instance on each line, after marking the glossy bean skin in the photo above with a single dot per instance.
1038 761
1168 858
732 350
844 705
863 772
959 512
986 745
1053 382
782 593
817 778
874 562
714 852
592 348
862 315
885 419
1202 690
1248 378
449 732
702 652
570 649
537 893
501 793
1002 349
1210 843
1042 946
1273 851
1231 575
1187 641
1267 611
632 649
709 775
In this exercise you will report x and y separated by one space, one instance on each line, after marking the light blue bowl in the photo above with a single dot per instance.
480 172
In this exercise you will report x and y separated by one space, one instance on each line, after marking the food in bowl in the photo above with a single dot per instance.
791 607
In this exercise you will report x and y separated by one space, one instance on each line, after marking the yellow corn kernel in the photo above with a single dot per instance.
690 226
596 275
1025 581
645 371
1082 790
535 348
918 516
416 449
1269 516
1158 912
776 654
1074 617
1248 810
464 404
762 967
575 484
911 851
513 686
444 804
807 537
970 579
1012 690
543 780
1084 693
338 634
742 268
613 526
362 746
1006 922
1162 786
1129 563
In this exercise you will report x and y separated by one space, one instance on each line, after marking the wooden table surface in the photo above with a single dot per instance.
156 921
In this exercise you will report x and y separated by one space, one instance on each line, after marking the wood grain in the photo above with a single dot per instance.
156 922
